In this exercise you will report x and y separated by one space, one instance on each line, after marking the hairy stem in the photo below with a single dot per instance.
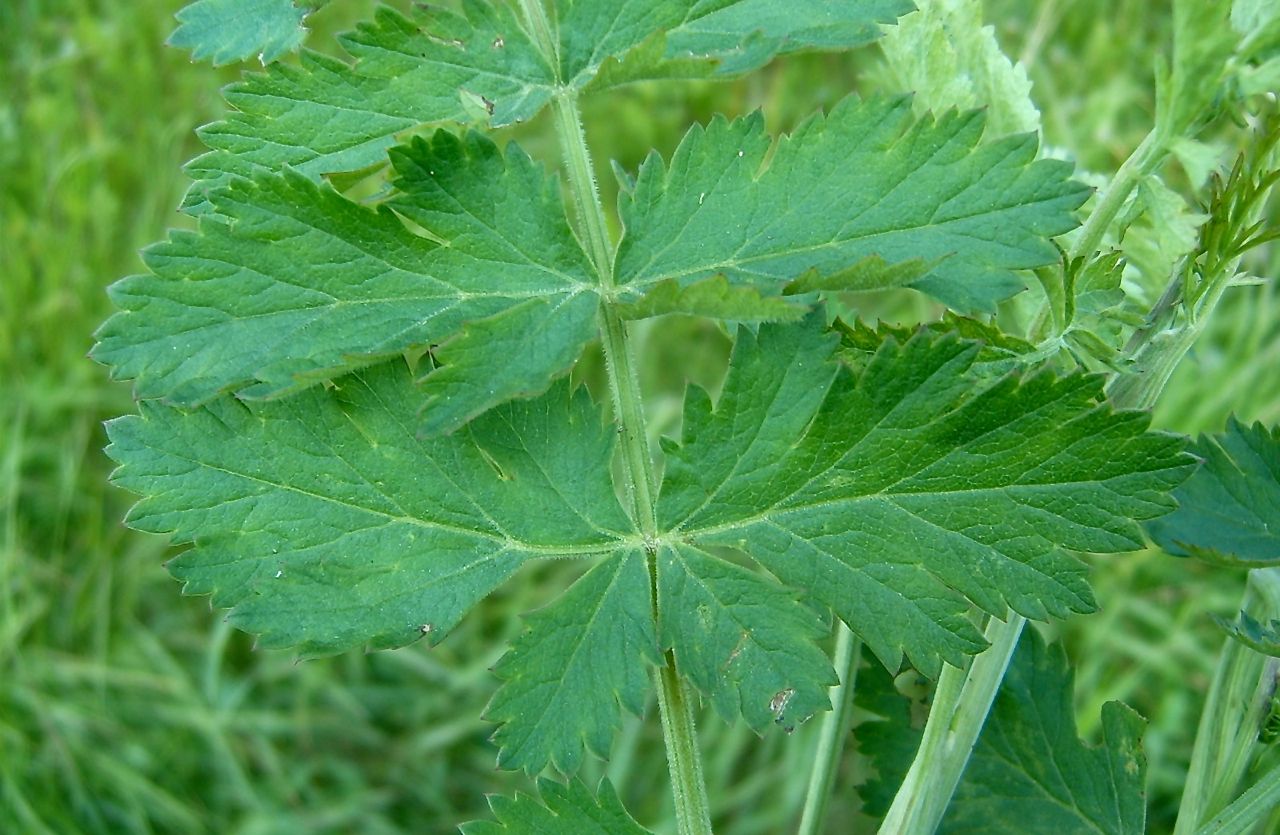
674 703
1248 810
1140 164
960 707
835 730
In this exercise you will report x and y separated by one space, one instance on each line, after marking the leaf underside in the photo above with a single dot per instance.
1229 511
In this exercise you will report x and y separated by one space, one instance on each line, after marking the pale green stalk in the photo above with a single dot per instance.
1238 704
1248 810
674 703
835 730
960 706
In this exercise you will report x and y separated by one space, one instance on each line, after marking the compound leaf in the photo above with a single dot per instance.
482 66
742 639
895 493
294 283
866 180
233 30
325 524
1229 511
581 657
564 810
1031 775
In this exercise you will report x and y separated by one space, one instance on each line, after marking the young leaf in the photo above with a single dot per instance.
299 284
866 180
582 656
742 639
325 524
1031 775
233 30
949 59
1229 511
564 810
894 493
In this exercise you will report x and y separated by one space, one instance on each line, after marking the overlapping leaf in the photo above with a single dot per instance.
298 284
563 810
482 66
1229 511
233 30
1031 775
896 493
866 180
325 524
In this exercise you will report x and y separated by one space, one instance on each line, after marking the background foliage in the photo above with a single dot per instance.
126 708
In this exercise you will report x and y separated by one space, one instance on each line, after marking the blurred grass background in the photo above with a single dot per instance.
125 708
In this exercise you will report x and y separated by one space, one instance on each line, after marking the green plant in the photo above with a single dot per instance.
361 416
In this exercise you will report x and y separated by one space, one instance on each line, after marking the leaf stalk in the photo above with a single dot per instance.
834 732
674 703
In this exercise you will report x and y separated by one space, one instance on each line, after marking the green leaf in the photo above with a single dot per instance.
947 57
233 30
326 116
1031 775
897 493
295 284
433 66
999 353
712 297
325 524
742 640
581 657
564 810
871 273
1260 637
1229 511
888 737
866 180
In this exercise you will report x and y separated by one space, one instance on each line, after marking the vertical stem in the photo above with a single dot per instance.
960 707
1139 165
835 730
1238 703
674 705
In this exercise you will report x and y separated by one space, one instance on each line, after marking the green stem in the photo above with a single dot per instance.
1249 809
1140 164
693 812
835 730
1238 703
960 707
674 705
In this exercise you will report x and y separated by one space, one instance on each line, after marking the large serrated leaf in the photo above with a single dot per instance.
866 180
325 524
897 493
1229 511
295 284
